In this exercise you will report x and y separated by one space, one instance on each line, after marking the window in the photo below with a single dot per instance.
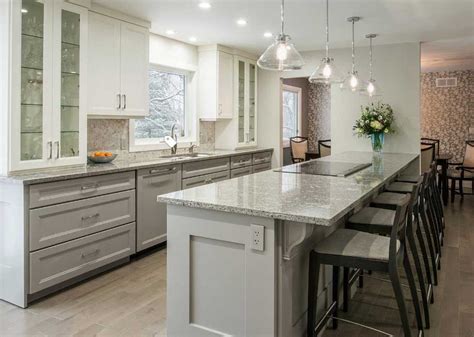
291 101
171 103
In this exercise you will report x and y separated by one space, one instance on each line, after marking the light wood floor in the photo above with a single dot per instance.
131 300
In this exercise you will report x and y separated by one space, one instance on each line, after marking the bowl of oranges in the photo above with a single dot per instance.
100 157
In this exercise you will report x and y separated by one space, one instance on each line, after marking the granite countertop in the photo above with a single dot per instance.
49 175
315 199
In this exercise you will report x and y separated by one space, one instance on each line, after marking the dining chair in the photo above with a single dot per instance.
427 156
463 171
298 147
324 147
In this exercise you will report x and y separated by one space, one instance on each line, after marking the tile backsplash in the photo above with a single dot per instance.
113 135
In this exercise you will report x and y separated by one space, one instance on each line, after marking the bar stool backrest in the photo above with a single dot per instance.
324 147
427 156
400 227
433 141
469 154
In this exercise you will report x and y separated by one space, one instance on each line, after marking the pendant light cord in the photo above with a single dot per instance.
282 17
370 59
353 48
327 29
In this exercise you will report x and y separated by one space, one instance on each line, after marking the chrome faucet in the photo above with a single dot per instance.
191 148
175 137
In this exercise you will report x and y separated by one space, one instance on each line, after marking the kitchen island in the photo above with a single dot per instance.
238 249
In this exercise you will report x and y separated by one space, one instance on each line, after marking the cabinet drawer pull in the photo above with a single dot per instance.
261 160
87 217
93 252
209 181
89 188
163 171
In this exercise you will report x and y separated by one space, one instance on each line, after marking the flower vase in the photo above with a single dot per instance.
377 141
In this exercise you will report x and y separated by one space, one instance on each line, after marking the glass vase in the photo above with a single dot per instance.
377 141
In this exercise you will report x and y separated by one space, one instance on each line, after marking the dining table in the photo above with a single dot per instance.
442 159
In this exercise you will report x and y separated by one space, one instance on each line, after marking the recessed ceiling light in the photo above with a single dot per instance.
242 22
170 32
24 10
204 5
192 39
267 34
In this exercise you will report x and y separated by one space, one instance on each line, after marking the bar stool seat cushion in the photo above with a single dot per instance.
373 216
389 198
408 178
355 244
456 174
400 187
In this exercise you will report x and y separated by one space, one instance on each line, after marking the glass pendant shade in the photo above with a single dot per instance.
281 55
326 73
352 82
370 88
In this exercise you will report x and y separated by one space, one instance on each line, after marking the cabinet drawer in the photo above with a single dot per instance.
240 161
53 265
202 167
261 157
59 223
206 179
75 189
261 167
241 172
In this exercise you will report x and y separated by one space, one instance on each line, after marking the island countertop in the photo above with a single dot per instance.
313 199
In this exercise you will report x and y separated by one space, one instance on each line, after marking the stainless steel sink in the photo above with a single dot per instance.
186 155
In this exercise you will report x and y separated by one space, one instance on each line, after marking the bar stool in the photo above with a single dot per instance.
355 249
431 214
380 221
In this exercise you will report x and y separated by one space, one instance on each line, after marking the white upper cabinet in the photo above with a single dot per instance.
216 84
118 68
48 96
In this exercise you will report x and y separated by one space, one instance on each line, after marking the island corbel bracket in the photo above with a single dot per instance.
293 235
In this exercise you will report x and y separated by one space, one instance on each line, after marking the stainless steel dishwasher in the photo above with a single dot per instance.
151 215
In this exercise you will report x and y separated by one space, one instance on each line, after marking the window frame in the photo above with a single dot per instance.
299 92
191 119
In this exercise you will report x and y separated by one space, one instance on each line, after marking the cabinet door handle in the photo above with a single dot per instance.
93 252
87 217
124 97
163 171
56 143
119 99
50 146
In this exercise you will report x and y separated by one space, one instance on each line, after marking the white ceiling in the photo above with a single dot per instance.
395 20
444 55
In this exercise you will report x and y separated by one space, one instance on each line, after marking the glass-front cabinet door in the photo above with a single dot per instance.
68 99
47 99
246 102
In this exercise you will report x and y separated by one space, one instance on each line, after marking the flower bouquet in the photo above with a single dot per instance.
376 120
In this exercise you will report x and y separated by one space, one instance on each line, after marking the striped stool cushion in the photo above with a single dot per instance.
389 199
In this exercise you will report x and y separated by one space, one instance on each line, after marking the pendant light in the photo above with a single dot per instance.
370 88
282 54
352 80
326 72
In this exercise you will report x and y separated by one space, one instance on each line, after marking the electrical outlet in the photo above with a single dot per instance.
257 237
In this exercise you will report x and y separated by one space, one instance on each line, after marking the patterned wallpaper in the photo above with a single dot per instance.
447 113
319 114
112 135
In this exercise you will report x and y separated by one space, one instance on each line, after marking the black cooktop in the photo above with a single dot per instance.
325 168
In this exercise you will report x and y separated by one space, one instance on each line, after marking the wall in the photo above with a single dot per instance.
396 68
113 134
319 114
447 113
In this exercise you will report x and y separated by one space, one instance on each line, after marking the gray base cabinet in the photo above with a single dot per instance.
151 215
